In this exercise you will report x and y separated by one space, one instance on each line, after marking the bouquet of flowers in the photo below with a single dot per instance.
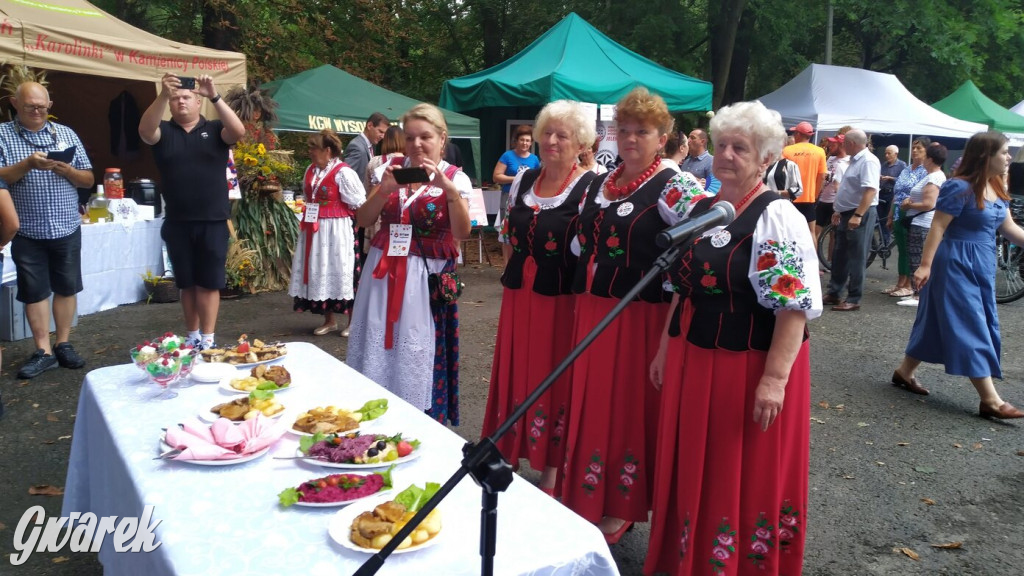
257 167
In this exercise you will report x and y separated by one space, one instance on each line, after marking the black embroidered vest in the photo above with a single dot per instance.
726 312
621 241
544 235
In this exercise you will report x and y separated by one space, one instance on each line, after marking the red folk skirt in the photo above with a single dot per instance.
728 498
613 412
534 335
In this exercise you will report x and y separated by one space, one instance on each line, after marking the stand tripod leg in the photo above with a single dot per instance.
488 531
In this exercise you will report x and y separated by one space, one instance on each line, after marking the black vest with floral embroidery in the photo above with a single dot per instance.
544 235
726 311
621 241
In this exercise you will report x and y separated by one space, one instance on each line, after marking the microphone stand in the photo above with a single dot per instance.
483 460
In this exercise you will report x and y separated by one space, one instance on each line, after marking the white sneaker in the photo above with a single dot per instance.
911 301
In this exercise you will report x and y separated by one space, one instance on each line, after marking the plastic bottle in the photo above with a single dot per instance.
113 183
98 207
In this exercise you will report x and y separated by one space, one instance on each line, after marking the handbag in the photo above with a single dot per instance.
445 286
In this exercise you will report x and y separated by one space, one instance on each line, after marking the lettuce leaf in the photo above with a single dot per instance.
306 442
261 395
373 409
414 497
386 475
288 496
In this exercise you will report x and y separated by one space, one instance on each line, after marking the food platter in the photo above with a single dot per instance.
247 364
164 447
292 430
225 384
342 503
341 526
210 417
352 466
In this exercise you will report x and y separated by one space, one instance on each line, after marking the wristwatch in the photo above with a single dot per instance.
858 215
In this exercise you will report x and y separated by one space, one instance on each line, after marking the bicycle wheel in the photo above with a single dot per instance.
826 246
876 245
1009 282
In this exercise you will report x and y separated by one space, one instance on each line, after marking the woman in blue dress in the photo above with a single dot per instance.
956 323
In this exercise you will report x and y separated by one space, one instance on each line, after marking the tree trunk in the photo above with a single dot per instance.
491 26
735 87
723 23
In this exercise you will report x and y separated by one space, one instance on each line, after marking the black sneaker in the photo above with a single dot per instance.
67 357
39 362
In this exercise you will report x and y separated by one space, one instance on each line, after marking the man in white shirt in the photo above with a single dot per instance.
854 216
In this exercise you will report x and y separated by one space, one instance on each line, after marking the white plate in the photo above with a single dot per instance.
341 526
210 417
248 364
225 384
164 447
212 372
301 433
349 466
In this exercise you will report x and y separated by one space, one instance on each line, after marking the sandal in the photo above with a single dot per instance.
902 293
890 289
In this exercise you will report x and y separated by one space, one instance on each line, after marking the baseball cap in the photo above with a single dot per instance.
837 139
803 128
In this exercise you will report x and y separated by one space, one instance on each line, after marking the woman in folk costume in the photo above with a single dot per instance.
400 337
535 325
613 408
323 265
730 488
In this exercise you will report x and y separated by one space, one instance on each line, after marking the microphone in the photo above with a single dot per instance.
721 214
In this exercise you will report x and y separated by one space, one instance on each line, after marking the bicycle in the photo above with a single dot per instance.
879 248
1009 279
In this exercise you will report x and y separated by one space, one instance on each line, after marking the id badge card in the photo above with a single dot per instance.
400 239
312 213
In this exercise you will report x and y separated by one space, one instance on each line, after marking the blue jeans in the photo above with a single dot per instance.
851 254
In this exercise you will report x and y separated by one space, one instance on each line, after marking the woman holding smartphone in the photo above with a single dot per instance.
401 338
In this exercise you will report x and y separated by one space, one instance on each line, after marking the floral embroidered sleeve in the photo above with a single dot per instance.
784 266
681 194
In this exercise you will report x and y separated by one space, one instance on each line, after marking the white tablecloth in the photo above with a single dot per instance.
114 258
226 520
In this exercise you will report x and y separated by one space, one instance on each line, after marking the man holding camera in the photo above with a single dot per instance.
47 250
191 153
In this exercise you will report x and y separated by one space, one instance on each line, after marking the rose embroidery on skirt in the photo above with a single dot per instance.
537 427
592 473
761 542
789 526
559 429
627 474
723 547
684 538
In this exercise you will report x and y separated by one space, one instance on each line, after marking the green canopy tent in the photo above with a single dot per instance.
572 60
968 103
328 97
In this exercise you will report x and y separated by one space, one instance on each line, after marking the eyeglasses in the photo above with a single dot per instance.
35 109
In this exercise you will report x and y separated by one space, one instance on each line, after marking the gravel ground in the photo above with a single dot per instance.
889 471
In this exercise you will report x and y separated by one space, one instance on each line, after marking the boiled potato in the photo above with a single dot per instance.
420 536
405 543
432 523
380 541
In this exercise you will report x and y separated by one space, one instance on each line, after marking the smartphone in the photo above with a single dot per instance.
66 155
187 82
411 175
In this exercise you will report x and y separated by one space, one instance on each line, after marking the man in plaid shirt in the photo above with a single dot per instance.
48 247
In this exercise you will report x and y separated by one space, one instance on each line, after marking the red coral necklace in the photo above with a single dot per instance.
746 198
613 192
565 183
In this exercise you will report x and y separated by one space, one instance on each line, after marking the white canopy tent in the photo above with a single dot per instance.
830 97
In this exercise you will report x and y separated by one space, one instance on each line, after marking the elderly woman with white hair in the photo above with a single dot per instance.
535 325
731 481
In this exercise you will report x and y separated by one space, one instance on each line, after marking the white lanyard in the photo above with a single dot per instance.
406 202
316 181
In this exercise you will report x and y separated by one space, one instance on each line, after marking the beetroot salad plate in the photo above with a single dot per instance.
337 489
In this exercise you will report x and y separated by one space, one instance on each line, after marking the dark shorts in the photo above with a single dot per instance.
823 214
807 209
197 250
48 266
